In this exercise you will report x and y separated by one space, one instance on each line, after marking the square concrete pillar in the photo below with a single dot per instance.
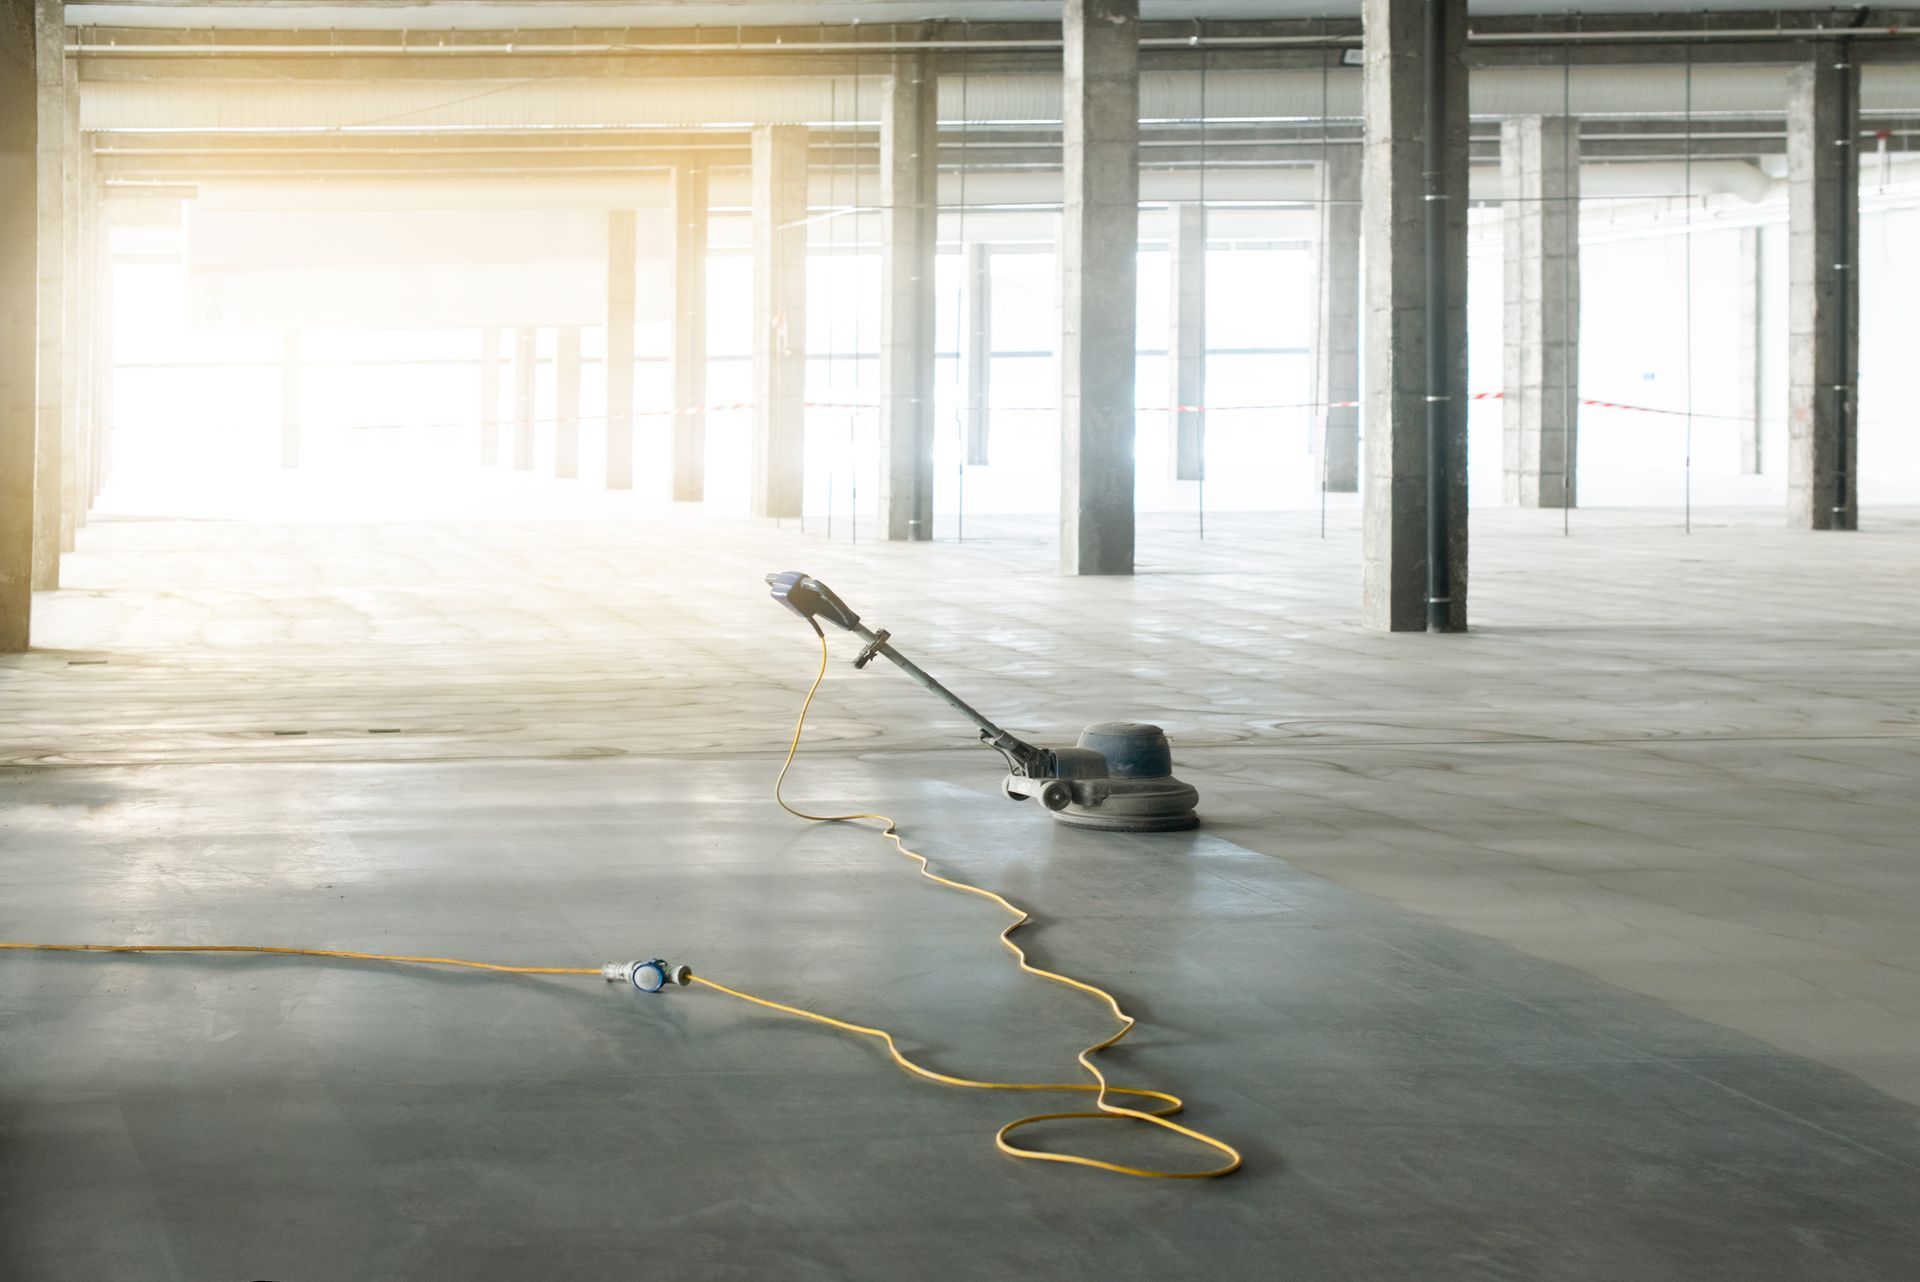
1540 176
19 299
689 333
83 296
978 341
1187 342
489 396
1823 292
779 318
1747 310
909 173
290 398
1414 219
100 301
566 411
1100 229
1337 351
526 354
621 289
49 488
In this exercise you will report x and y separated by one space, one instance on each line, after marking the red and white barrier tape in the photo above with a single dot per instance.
733 407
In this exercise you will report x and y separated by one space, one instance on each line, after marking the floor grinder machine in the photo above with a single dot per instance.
1118 777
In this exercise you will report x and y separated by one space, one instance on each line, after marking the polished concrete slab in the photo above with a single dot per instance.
1493 956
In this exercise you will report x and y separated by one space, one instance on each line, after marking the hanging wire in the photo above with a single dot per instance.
962 296
833 249
1200 419
853 415
833 238
1569 283
1846 235
1320 392
1687 264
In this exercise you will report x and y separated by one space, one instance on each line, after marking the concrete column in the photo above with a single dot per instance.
1402 302
290 398
19 297
909 120
84 300
1187 342
1337 350
100 296
620 303
526 353
1540 176
489 396
978 340
779 318
49 491
689 333
1823 298
1100 228
566 413
1748 379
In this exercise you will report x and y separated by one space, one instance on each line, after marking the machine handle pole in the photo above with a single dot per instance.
813 601
1019 753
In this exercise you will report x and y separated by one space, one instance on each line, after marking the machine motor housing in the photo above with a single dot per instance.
1118 777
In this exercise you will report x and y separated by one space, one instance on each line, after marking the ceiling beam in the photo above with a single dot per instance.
1765 36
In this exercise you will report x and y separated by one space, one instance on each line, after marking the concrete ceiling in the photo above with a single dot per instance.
421 15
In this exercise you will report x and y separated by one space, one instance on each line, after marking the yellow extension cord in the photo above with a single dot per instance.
1167 1105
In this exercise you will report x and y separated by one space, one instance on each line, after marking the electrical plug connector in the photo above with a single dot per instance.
647 976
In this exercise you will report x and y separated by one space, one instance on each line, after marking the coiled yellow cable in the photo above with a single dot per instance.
1099 1087
1167 1104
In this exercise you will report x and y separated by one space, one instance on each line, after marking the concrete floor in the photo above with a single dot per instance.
1578 947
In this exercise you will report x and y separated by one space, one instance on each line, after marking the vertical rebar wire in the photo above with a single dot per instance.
853 415
963 294
833 244
1569 279
1687 266
1846 236
833 241
1439 28
1326 213
1200 482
